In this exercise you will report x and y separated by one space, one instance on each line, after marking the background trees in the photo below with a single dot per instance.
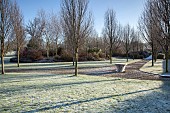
52 32
35 29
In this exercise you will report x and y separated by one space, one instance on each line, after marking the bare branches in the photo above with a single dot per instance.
111 30
5 27
76 23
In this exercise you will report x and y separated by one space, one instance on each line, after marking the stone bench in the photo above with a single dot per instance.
120 67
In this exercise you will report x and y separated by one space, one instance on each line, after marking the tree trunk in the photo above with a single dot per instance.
152 56
56 50
73 56
133 53
18 57
76 61
111 55
2 56
47 52
166 57
127 59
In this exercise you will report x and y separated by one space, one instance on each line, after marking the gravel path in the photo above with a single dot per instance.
133 72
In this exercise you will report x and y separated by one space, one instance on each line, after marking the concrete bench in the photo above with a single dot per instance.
120 67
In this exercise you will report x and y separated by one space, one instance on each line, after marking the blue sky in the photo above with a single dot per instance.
127 11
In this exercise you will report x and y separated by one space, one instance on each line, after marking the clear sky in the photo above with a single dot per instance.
127 11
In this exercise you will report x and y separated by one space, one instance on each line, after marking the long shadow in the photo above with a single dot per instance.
99 73
69 103
14 89
40 64
26 78
53 68
154 102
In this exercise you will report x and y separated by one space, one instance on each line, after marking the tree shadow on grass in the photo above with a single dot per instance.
24 88
9 78
100 73
157 101
69 103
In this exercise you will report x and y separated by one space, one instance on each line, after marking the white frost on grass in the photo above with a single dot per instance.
158 68
66 93
65 65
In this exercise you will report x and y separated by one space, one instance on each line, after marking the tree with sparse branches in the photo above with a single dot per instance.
127 40
147 28
161 9
19 31
77 24
110 28
35 29
5 27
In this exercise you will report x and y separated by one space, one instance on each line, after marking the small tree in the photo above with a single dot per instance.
110 30
77 24
35 29
19 31
127 39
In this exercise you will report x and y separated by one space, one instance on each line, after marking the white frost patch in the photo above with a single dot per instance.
149 58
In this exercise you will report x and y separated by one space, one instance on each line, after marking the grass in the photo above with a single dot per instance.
66 93
40 92
158 68
65 65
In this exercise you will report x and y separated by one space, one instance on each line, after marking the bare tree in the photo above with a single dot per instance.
162 22
76 22
134 41
127 39
110 30
147 28
19 31
35 29
5 27
56 30
52 31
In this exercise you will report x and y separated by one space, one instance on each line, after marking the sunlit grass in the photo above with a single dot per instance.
67 93
40 92
158 67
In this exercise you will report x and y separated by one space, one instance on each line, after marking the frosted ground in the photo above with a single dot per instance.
42 90
158 68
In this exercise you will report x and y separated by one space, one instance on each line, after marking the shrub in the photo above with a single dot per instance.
52 52
102 55
34 54
135 55
161 56
90 57
31 54
60 51
44 52
97 50
65 56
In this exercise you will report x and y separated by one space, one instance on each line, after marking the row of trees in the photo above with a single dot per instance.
117 36
74 29
154 25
